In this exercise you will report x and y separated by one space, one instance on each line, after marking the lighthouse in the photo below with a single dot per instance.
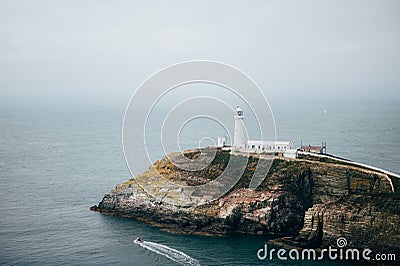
239 140
241 143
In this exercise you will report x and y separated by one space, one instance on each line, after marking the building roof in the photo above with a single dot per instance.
269 142
311 148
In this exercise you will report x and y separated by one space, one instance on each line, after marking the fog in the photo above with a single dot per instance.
103 50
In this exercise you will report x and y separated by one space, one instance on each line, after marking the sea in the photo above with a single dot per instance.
59 157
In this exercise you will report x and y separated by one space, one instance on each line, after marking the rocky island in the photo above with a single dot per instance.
302 202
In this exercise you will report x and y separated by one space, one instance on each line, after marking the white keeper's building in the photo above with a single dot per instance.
241 144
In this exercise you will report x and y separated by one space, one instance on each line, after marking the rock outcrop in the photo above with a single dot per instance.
306 202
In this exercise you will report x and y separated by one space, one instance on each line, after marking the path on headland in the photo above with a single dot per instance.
349 162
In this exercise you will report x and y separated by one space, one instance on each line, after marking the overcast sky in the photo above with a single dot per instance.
106 49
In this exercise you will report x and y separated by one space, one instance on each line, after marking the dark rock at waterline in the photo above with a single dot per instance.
94 208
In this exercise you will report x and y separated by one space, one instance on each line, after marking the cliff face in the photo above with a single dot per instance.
312 202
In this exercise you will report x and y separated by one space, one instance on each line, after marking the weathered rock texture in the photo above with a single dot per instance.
305 202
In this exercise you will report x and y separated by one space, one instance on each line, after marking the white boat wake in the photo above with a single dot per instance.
173 254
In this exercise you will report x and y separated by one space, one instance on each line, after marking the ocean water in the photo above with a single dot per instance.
58 159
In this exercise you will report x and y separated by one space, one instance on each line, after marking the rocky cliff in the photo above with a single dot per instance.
306 202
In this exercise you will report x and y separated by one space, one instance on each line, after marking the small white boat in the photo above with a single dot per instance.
138 241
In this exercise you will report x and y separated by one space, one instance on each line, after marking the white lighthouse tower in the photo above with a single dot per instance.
239 140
